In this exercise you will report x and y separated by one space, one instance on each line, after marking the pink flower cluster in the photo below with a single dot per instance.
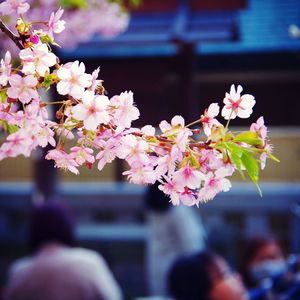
108 19
191 164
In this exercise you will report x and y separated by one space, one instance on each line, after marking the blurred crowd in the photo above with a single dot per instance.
179 264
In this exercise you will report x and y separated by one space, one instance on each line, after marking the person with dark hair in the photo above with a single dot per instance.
51 223
58 270
173 231
204 276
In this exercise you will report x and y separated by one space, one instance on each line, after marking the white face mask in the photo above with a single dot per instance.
268 268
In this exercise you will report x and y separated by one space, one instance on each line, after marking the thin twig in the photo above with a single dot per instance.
201 145
10 34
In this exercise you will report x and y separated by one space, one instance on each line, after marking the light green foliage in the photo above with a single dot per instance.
73 3
8 128
3 96
48 81
249 137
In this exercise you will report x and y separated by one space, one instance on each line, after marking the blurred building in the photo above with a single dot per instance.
178 57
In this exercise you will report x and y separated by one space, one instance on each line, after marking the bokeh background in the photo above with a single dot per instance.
177 57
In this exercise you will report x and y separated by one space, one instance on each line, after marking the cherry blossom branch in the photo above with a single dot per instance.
11 35
191 168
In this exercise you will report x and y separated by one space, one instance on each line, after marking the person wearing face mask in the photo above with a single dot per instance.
204 276
265 271
262 258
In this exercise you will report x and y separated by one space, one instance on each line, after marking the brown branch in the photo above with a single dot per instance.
201 145
10 34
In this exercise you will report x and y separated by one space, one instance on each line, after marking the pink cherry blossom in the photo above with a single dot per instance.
5 69
164 126
63 160
148 130
32 133
170 189
188 176
214 183
92 111
20 142
74 80
133 150
55 24
114 20
37 59
177 121
6 150
182 138
260 128
237 105
176 131
141 174
187 197
5 113
203 157
263 157
216 161
44 136
95 80
108 152
167 163
22 88
124 112
208 119
34 108
82 155
9 7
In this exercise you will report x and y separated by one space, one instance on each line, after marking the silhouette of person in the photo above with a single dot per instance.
59 270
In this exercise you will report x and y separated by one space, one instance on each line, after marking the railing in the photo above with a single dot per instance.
121 203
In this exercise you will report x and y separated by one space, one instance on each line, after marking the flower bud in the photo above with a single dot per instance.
59 114
21 27
89 165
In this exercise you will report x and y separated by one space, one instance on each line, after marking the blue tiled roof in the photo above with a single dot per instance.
263 27
260 27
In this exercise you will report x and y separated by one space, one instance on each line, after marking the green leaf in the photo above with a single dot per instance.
3 96
152 140
235 156
252 168
12 128
183 163
48 81
73 3
238 163
8 128
194 161
273 157
135 3
4 124
46 39
234 148
250 138
251 165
